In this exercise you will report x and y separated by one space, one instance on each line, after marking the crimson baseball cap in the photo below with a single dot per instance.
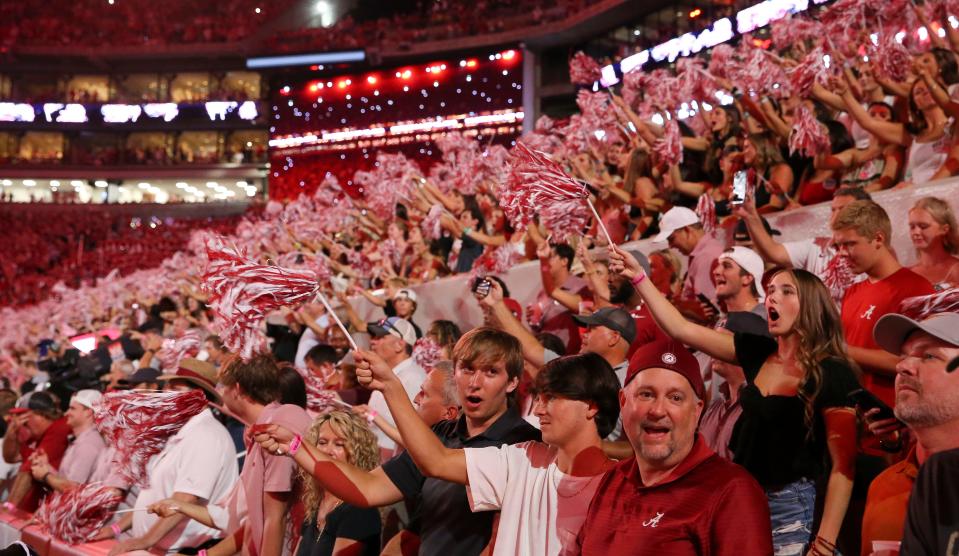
667 354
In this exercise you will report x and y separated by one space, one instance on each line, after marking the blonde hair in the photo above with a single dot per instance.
941 212
819 328
867 218
361 451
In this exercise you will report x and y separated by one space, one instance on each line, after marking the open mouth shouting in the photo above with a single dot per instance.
472 403
772 313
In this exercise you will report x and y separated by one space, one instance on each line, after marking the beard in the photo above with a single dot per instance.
921 409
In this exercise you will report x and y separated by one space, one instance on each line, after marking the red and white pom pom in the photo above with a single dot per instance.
242 292
838 276
426 353
634 82
793 30
174 350
319 398
76 515
669 147
720 57
891 59
583 69
809 136
706 210
139 424
538 185
273 208
924 306
431 226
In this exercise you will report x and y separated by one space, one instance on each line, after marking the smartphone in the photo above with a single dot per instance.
866 400
481 287
706 301
740 181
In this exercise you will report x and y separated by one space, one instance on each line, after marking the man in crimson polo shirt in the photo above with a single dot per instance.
676 496
37 426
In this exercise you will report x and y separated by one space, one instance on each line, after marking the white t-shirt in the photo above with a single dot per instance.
541 508
200 460
307 340
411 376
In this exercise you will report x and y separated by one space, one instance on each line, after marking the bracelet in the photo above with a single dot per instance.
638 279
294 445
371 416
202 552
116 530
9 506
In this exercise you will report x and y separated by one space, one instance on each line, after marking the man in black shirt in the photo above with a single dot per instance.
927 400
487 364
932 524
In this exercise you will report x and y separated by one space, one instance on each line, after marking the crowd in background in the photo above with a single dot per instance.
764 397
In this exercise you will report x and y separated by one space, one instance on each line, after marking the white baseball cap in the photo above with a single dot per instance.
749 261
674 219
89 399
401 328
405 293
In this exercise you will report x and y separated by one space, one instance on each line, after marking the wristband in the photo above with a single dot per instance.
202 552
638 279
371 416
294 445
9 506
116 530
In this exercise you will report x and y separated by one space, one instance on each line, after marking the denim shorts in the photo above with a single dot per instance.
791 510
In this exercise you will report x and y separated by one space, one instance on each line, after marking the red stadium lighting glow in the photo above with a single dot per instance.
371 80
695 13
509 54
343 84
285 90
471 63
406 74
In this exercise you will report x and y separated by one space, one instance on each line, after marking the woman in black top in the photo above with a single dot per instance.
796 411
331 525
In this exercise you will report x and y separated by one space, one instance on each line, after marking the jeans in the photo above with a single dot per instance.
791 510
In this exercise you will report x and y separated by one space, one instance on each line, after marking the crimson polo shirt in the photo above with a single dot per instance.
706 506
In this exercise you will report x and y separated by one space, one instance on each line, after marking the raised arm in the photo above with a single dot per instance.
890 132
767 247
707 340
365 489
429 454
533 351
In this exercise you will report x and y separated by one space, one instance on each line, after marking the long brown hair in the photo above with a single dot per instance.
819 328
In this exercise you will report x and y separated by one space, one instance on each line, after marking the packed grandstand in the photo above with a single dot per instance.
519 278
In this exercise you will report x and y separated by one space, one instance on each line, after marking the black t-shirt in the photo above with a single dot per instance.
446 524
770 437
345 521
932 523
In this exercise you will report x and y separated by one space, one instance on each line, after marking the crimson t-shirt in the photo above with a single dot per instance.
53 443
864 303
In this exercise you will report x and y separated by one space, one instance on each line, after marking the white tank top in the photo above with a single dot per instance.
926 158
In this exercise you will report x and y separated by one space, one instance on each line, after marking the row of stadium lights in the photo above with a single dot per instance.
404 74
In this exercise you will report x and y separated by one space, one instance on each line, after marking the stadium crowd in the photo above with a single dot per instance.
765 397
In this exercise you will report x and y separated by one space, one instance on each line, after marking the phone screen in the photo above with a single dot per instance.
740 180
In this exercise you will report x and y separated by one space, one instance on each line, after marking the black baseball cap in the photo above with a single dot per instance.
613 318
36 401
146 374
